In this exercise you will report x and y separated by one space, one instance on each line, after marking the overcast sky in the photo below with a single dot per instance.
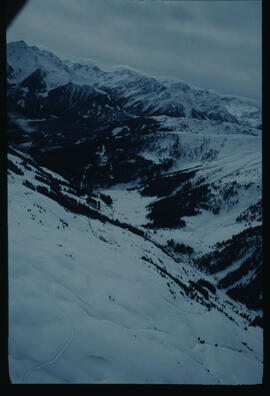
212 44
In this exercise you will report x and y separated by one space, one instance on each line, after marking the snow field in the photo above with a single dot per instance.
83 310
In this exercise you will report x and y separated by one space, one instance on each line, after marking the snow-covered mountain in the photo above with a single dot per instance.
44 92
94 300
163 177
40 71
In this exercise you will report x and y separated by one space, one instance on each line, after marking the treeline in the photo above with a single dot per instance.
229 251
251 263
253 212
249 294
165 185
179 247
168 212
14 168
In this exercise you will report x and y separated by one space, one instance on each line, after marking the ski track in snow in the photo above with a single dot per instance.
26 376
52 361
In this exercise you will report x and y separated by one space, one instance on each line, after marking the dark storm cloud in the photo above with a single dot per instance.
213 44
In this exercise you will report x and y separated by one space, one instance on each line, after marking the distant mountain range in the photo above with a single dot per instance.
41 76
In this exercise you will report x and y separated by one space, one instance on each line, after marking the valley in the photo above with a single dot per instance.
135 227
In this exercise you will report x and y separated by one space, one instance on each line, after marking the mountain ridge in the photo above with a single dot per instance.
83 74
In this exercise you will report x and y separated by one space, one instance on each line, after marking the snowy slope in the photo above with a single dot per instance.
219 198
93 302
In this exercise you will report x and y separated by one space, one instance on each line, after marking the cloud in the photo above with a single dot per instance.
213 44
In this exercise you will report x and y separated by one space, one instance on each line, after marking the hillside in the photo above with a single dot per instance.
93 302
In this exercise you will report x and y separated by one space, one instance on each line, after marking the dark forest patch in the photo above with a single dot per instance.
168 212
165 185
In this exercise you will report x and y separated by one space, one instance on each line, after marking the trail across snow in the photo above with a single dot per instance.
86 308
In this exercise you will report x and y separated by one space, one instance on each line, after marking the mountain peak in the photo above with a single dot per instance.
18 43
